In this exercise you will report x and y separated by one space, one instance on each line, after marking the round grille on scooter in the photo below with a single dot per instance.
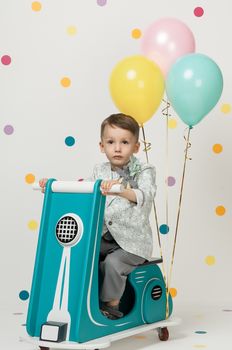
69 230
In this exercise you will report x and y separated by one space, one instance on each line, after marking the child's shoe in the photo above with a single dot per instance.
111 312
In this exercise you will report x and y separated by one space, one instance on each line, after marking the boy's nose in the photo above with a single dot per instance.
117 147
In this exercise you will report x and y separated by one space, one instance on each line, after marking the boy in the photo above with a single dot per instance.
127 235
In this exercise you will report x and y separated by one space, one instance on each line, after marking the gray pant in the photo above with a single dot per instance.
115 267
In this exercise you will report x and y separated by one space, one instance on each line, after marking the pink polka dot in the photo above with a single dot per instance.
171 181
6 60
101 2
8 129
198 11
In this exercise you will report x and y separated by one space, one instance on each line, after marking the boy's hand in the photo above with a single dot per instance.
106 186
42 183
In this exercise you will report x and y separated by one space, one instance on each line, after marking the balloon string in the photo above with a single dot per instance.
155 213
188 145
147 145
165 111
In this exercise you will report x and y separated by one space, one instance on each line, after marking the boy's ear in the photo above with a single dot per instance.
137 147
101 147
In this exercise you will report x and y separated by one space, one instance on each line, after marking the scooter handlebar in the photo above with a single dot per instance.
77 186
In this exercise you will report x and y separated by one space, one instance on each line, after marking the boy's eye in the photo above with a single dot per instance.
125 142
110 142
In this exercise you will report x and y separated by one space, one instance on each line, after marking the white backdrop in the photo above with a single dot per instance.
83 41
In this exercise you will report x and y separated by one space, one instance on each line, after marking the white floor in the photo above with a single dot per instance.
203 327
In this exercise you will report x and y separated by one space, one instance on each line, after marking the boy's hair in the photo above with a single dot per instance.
122 121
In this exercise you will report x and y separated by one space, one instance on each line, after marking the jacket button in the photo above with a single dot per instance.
110 223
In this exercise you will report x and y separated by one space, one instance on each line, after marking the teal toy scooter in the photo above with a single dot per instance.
64 310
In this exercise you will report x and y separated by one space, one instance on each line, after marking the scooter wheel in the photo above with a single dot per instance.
44 348
163 333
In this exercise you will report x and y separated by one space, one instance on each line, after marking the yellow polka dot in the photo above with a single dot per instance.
32 225
217 148
30 178
36 6
226 108
210 260
65 82
220 210
71 30
172 123
136 33
173 292
199 346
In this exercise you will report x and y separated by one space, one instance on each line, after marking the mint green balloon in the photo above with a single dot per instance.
194 85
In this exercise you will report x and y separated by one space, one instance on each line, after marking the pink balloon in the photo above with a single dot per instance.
165 41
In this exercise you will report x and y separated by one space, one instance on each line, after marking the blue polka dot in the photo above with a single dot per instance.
164 229
24 295
69 141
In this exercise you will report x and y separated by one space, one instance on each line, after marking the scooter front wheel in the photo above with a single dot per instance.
163 333
44 348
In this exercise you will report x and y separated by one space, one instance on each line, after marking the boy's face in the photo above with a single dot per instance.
118 145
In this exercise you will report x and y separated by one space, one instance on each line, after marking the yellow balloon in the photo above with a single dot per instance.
137 87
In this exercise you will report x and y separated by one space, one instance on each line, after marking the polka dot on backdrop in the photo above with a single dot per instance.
173 292
172 123
6 60
170 181
164 229
69 141
23 295
8 129
210 260
198 11
101 2
32 225
136 33
226 108
36 6
65 82
71 30
139 337
220 210
217 148
30 178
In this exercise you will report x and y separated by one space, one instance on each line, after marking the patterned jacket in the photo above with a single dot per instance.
128 222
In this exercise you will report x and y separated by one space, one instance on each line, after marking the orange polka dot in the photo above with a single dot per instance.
173 292
136 33
220 210
36 6
217 148
65 82
139 337
30 178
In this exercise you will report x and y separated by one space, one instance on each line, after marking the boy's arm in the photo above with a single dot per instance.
128 194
